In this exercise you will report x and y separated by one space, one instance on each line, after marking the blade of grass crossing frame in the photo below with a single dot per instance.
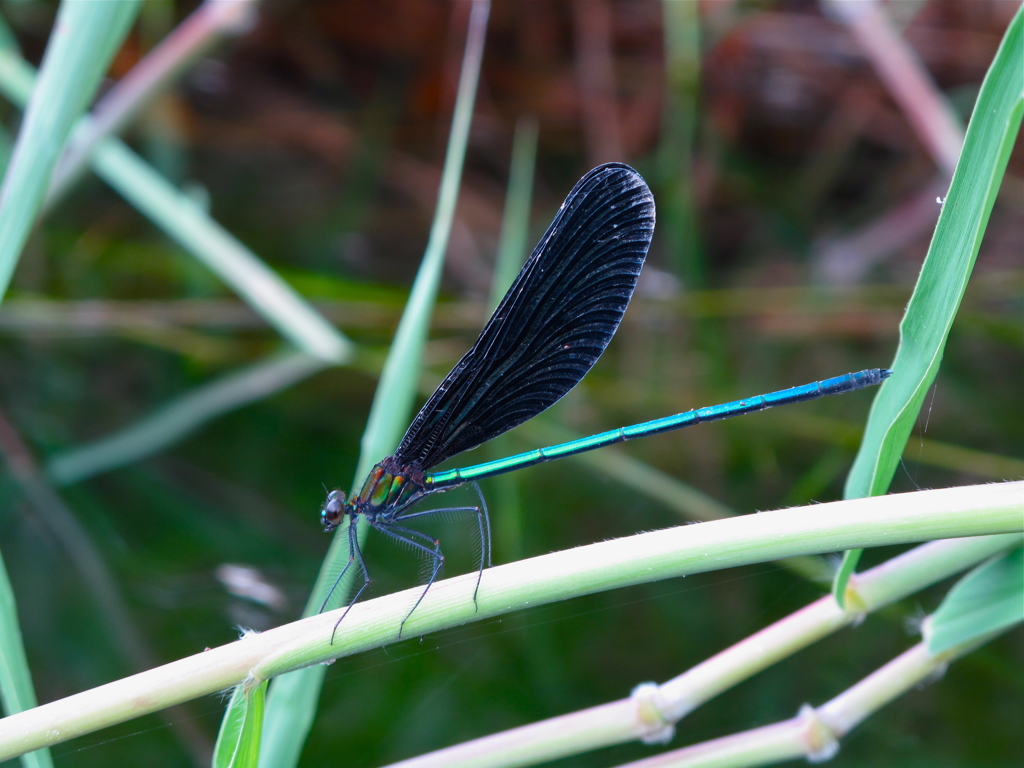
513 248
152 76
680 229
513 242
238 743
84 40
291 705
16 691
181 219
193 229
182 416
990 137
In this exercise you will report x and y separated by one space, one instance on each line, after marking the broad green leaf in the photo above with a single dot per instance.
989 598
947 268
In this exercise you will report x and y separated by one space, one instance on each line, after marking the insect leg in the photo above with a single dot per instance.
483 529
355 555
414 538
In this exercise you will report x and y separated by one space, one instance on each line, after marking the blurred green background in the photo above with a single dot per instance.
795 204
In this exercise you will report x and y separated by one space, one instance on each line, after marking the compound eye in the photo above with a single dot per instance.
333 510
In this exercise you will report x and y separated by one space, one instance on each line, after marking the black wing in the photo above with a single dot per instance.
552 325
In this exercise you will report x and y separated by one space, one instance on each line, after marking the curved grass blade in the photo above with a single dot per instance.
181 219
17 693
238 743
146 81
989 140
86 36
187 414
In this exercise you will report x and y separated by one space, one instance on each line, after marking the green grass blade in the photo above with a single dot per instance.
988 599
192 228
947 267
513 242
673 175
293 698
16 691
989 140
238 743
182 416
151 77
85 38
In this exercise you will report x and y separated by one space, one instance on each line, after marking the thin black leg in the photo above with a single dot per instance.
409 536
355 555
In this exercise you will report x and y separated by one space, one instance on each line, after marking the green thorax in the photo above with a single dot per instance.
390 487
